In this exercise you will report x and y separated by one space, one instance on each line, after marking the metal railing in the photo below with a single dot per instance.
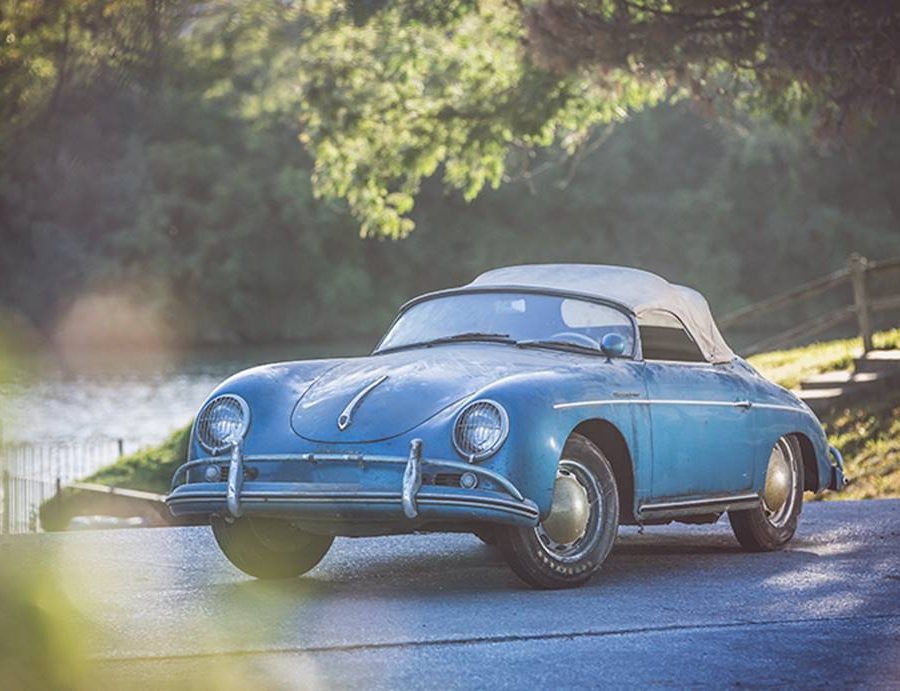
33 472
857 274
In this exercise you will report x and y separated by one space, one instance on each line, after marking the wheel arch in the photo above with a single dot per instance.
810 463
607 437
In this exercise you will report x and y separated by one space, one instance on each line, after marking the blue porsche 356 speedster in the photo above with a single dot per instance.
538 407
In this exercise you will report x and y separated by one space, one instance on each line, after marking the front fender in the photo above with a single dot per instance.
540 424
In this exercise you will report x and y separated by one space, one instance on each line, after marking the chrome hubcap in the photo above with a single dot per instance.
780 492
573 525
570 511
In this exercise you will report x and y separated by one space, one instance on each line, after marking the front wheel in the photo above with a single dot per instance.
771 524
573 541
269 548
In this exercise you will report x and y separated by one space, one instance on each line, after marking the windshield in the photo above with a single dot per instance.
519 318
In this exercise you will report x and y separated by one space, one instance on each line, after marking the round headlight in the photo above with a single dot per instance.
480 429
223 422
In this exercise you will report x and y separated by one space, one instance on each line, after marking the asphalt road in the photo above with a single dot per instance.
677 606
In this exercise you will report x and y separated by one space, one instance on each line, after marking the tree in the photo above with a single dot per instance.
836 59
399 91
61 51
392 97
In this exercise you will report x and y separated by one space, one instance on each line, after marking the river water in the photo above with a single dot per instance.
135 396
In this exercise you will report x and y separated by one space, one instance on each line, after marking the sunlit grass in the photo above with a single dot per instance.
869 439
790 367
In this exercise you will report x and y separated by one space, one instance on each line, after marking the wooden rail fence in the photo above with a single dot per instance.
857 273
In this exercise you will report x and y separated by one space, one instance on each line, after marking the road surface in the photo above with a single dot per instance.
677 606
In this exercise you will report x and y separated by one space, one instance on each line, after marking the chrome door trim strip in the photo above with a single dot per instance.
778 406
646 401
694 503
667 401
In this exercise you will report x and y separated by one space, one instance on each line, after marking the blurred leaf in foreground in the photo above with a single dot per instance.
40 633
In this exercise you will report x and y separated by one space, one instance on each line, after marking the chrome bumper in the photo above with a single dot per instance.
505 503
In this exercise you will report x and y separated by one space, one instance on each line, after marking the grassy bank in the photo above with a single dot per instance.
789 367
148 469
869 439
867 435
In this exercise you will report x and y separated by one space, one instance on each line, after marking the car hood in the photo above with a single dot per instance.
396 392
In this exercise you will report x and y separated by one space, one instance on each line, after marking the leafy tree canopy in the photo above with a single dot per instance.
388 92
835 59
393 91
390 97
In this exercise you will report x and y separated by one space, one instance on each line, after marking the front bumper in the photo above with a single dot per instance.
345 488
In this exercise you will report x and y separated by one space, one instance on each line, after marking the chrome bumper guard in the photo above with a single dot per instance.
412 474
838 480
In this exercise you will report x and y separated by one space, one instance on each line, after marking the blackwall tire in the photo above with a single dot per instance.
269 548
767 528
544 563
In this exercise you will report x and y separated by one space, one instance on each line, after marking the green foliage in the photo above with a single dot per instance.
388 102
785 58
166 167
149 469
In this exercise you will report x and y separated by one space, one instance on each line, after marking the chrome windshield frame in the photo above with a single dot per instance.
564 294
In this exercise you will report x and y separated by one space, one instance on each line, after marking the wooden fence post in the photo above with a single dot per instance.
4 528
857 266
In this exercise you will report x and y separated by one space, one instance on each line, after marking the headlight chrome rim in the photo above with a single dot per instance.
464 449
204 423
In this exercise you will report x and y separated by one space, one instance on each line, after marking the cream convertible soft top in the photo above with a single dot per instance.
639 291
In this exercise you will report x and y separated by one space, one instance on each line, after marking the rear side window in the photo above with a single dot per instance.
663 337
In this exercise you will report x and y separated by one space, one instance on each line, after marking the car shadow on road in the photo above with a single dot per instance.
467 566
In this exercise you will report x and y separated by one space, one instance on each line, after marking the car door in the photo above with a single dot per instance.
701 428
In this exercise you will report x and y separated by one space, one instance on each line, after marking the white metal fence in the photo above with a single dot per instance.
32 472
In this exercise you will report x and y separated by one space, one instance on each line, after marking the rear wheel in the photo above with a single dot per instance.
770 525
573 541
268 547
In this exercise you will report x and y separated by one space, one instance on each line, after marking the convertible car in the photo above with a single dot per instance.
538 407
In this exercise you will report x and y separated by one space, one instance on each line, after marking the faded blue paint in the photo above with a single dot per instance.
707 446
703 446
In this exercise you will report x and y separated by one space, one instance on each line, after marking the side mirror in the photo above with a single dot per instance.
613 345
